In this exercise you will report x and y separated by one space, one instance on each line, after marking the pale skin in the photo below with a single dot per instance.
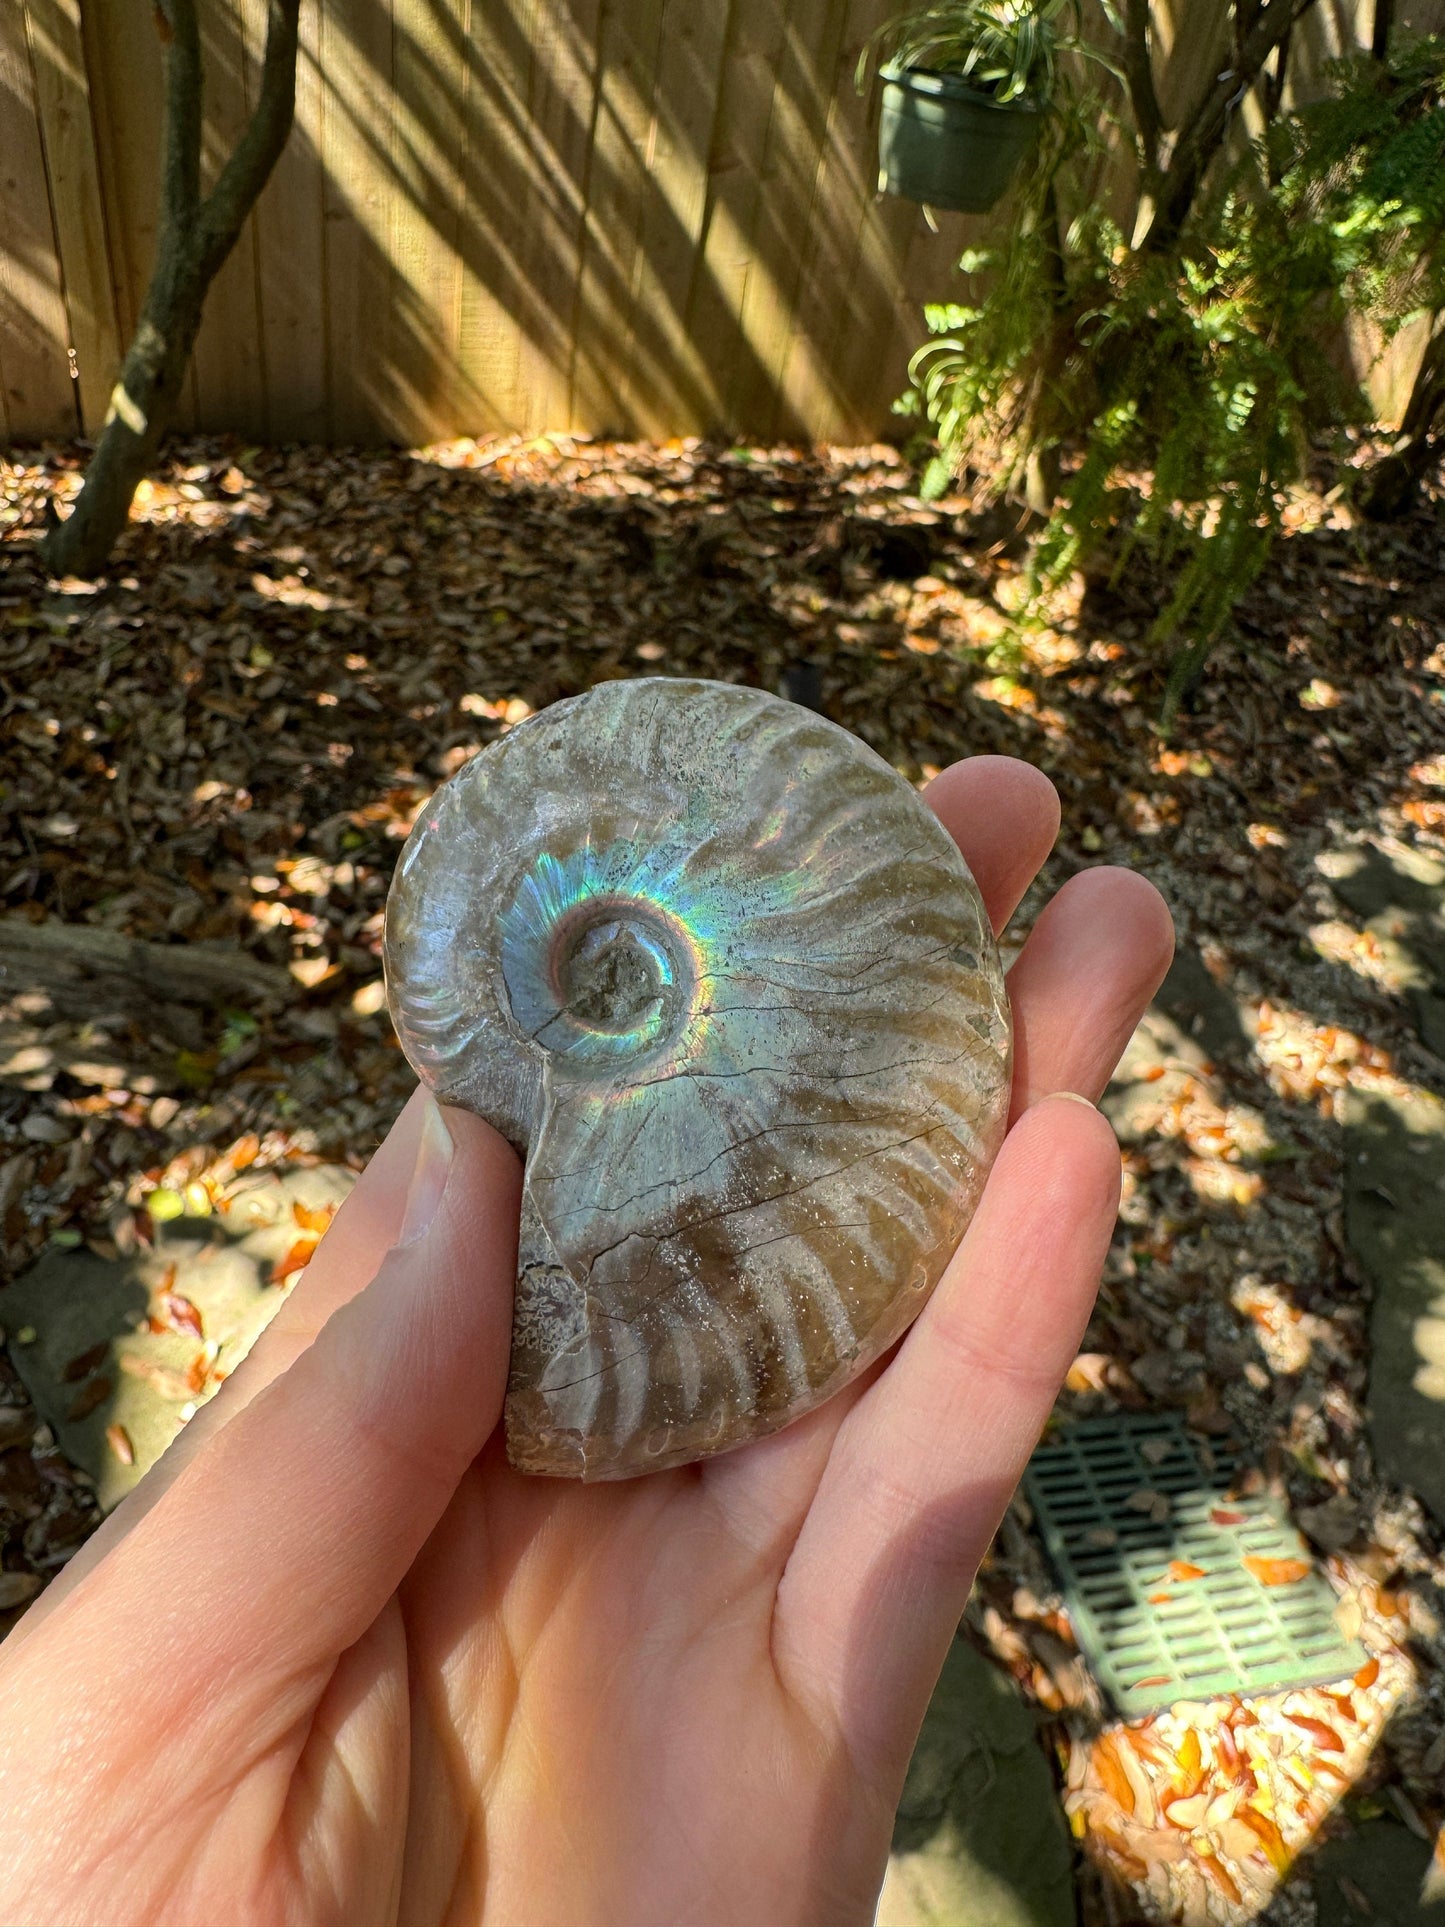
335 1662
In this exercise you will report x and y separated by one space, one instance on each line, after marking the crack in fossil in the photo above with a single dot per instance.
772 1197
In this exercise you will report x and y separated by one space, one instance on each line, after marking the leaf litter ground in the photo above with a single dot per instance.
220 749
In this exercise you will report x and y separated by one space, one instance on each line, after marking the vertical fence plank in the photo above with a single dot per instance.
427 73
840 306
40 395
127 98
788 208
229 359
646 215
290 260
356 112
629 43
681 395
496 308
666 388
562 89
757 34
63 96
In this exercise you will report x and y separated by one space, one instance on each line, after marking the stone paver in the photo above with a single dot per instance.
81 1335
1399 895
980 1839
1395 1222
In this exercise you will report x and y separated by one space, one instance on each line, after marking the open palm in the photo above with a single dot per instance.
334 1661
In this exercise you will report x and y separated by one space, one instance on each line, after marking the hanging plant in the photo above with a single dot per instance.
966 85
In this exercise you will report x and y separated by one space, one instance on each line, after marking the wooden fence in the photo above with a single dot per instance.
649 217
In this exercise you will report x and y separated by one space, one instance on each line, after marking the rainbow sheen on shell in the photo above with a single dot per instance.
720 975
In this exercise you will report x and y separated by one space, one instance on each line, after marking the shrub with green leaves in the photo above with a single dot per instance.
1187 381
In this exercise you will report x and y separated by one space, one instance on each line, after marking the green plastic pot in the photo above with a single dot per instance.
947 144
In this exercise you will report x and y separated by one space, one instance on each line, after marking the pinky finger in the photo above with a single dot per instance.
925 1463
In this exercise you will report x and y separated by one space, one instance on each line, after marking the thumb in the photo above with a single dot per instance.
308 1508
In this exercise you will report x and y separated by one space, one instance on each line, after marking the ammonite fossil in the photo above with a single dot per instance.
721 976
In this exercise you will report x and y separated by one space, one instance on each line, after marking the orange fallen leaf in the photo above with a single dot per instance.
1132 1759
1276 1572
199 1371
180 1314
296 1259
1319 1730
1181 1570
245 1151
1222 1878
118 1439
1119 1852
310 1220
1142 1741
1269 1837
1221 1515
1367 1674
1236 1842
1191 1759
1160 1598
1112 1777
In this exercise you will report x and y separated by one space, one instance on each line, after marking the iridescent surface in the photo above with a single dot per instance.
720 974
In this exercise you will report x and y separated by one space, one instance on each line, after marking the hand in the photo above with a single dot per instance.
334 1661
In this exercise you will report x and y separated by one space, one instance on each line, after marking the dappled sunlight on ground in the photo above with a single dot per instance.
218 752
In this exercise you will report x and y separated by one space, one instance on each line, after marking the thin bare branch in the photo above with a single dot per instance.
259 148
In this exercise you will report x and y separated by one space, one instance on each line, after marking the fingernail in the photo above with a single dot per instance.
429 1175
1074 1098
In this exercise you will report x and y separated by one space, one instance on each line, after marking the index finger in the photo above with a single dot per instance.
1004 816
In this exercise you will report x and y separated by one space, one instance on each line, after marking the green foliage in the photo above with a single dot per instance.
1007 48
1369 160
1189 381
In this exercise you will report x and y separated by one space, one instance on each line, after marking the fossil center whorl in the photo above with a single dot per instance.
614 974
595 975
722 977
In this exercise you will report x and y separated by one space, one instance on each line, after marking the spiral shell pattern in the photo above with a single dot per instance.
721 976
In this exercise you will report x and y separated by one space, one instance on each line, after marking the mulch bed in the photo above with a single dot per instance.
227 741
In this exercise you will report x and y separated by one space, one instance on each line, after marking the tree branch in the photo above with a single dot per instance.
259 148
181 171
1139 75
1380 32
195 238
1261 29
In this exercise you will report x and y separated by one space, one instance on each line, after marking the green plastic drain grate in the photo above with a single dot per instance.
1127 1506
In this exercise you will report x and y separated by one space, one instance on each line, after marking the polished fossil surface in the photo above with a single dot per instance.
720 975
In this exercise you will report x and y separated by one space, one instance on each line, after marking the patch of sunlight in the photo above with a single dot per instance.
1202 1810
1429 1336
1285 1334
1376 958
1309 1062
